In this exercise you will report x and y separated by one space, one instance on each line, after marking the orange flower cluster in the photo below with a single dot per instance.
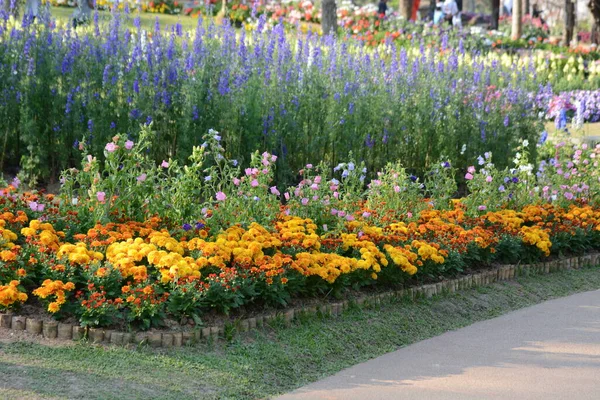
10 294
54 289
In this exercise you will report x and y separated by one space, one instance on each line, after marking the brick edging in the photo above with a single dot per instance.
57 330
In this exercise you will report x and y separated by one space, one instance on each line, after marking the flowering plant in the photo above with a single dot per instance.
11 295
54 294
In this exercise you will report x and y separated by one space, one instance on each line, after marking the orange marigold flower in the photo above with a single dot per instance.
53 307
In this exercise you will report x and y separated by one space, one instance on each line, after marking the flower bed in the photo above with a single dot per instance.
187 337
138 243
578 106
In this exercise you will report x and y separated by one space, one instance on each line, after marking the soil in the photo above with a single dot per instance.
12 336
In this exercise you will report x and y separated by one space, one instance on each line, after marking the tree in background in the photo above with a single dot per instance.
569 21
329 17
517 20
495 14
405 8
594 6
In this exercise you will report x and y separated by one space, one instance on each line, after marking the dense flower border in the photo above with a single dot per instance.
54 330
137 274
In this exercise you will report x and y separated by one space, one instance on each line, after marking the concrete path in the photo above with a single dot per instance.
548 351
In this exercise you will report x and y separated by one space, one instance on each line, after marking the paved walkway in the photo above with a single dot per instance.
548 351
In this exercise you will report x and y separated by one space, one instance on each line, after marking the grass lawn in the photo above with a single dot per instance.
588 129
147 19
268 362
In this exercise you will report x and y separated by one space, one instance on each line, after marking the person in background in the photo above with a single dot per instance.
414 10
537 13
32 8
450 10
507 6
82 13
438 14
382 9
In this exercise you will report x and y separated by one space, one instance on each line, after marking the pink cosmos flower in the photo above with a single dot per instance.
336 195
265 162
273 158
304 201
409 214
35 206
482 208
350 217
101 196
468 176
318 179
471 169
397 189
220 196
334 211
314 186
164 164
569 196
142 178
286 195
254 183
111 147
309 166
488 179
129 145
366 214
236 181
341 213
275 191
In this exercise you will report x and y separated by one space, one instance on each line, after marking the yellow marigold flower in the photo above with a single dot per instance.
7 256
28 232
